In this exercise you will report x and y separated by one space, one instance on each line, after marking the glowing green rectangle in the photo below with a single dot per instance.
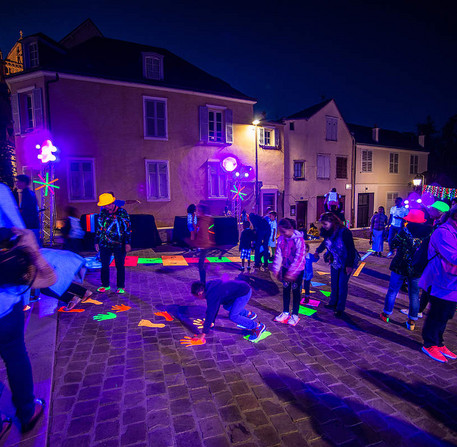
263 335
306 311
149 260
216 259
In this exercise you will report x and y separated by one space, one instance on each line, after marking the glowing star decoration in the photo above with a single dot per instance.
48 185
238 192
47 149
229 164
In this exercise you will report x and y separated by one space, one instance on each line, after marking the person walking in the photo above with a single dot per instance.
403 267
377 231
72 231
343 258
28 206
233 296
12 298
440 279
113 237
288 267
396 219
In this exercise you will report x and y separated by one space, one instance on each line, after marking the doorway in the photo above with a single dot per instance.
364 209
302 214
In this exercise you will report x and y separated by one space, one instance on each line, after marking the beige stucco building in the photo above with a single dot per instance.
386 163
318 158
153 128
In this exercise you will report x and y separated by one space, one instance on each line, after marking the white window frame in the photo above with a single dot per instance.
151 56
148 197
157 99
331 133
303 162
336 166
394 161
29 95
217 163
35 62
369 163
391 202
414 164
217 109
327 156
81 160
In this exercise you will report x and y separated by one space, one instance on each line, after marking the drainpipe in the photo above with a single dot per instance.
353 175
48 102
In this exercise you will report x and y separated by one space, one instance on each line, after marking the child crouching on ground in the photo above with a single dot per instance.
309 259
246 239
288 266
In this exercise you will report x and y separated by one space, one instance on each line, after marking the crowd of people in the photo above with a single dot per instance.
422 241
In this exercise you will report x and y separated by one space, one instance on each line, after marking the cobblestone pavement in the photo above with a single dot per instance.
325 382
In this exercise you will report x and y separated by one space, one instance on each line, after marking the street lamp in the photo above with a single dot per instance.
417 181
256 123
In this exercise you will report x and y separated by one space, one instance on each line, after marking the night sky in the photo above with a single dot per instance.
386 62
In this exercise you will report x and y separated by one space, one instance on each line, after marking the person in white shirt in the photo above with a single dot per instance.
397 216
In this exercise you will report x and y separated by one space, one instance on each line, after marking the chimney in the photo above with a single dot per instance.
422 140
375 133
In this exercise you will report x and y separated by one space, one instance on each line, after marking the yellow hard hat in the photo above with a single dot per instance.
105 199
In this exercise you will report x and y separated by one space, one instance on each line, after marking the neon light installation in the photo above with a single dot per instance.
47 149
48 185
238 192
229 164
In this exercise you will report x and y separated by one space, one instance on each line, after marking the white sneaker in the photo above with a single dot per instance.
406 312
282 317
420 315
293 320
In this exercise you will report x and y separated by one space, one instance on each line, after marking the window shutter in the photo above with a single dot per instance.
228 126
16 114
277 139
261 136
203 116
37 108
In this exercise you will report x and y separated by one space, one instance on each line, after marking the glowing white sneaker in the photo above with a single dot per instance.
282 317
293 320
406 312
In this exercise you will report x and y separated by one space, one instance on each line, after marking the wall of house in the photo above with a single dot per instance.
380 181
305 143
104 121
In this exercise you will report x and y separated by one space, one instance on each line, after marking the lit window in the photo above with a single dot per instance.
155 118
157 180
299 170
414 164
323 166
393 163
153 66
81 180
217 181
367 161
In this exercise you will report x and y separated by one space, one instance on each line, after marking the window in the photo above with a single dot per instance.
153 66
341 167
217 181
81 180
331 133
268 137
268 201
393 163
33 55
323 166
391 197
27 108
414 164
292 126
155 118
157 180
367 161
216 125
299 170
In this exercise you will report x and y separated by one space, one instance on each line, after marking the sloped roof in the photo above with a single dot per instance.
121 60
309 112
387 138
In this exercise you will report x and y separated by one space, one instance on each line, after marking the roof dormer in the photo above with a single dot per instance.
31 53
153 66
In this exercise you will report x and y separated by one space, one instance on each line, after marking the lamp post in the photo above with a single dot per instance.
418 181
257 207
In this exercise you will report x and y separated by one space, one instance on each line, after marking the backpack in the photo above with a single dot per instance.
420 259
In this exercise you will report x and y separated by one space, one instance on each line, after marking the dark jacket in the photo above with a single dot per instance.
246 239
341 246
261 226
29 210
113 230
219 293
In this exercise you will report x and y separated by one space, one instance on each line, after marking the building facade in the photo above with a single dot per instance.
154 129
386 163
318 158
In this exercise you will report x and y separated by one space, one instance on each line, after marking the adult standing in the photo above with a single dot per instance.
397 216
440 278
12 345
113 237
378 227
343 258
403 268
28 205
